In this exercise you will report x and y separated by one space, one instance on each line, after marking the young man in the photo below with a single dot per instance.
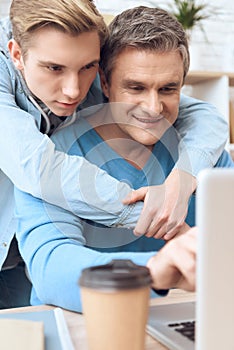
46 71
144 62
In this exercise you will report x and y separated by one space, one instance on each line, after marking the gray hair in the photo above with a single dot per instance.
144 28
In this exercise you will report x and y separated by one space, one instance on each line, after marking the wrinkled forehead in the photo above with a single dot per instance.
133 62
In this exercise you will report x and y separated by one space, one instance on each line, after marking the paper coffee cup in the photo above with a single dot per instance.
115 299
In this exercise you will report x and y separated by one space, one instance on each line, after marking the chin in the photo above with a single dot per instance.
149 140
60 113
148 143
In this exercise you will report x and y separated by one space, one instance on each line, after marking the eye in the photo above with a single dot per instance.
168 89
89 66
136 87
54 68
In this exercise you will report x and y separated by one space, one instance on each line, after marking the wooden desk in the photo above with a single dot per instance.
76 327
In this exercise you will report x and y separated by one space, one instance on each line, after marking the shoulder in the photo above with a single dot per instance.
225 160
6 64
5 34
65 138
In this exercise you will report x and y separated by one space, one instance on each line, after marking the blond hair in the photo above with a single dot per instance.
69 16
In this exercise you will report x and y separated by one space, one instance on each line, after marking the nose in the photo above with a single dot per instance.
71 87
152 103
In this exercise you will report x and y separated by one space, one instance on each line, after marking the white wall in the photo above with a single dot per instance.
4 7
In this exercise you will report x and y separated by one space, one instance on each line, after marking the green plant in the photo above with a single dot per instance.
190 14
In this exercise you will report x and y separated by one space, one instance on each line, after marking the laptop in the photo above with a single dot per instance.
212 315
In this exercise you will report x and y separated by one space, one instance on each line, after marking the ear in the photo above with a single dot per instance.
16 54
104 84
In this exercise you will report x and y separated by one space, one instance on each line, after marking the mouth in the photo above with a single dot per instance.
148 120
68 105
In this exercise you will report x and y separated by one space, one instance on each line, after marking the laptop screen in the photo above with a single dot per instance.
214 309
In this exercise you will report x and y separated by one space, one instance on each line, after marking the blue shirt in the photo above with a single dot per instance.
56 244
30 160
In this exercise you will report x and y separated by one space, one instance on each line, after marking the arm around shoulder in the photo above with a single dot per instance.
36 166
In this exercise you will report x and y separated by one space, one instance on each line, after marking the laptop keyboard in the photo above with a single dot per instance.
187 329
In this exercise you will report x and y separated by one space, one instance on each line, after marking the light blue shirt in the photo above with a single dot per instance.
30 161
56 244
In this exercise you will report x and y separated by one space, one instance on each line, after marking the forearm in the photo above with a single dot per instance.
51 242
203 133
55 266
61 282
37 168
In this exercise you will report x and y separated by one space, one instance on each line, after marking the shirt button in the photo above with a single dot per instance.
4 244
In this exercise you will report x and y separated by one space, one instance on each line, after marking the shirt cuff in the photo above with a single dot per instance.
161 292
129 216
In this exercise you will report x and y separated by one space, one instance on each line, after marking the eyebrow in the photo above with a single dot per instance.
51 63
137 82
172 84
127 82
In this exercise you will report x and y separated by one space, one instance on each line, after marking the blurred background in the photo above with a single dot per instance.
215 41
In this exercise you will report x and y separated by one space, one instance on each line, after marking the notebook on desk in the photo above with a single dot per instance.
213 313
55 331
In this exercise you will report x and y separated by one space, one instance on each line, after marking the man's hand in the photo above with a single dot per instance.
165 206
174 266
